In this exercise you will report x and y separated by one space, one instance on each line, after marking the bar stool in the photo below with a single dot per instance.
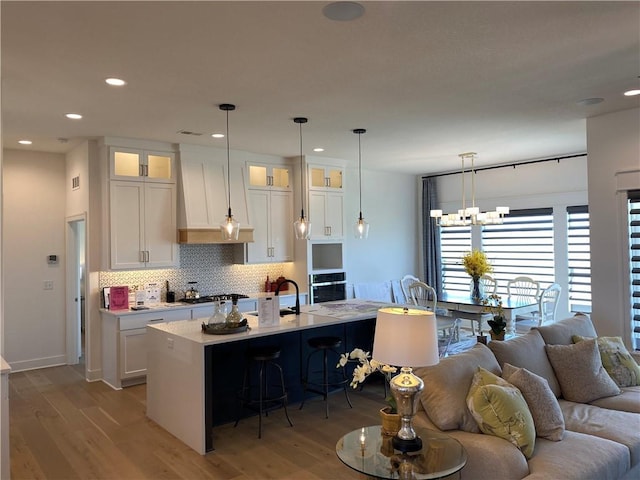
324 345
267 398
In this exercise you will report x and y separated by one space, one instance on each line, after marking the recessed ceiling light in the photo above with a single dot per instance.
217 135
590 101
343 11
115 82
25 142
73 116
318 149
631 93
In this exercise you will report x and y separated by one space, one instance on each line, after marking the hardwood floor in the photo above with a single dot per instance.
63 427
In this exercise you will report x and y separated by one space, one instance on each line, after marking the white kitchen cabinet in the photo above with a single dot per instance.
133 353
124 345
143 225
326 213
271 214
325 177
137 164
262 175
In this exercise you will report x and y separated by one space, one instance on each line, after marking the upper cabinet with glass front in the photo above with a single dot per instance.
324 177
135 164
272 177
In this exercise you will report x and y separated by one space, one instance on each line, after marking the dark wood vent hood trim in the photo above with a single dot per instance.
209 235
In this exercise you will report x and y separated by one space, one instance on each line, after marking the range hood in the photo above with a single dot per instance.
203 196
209 235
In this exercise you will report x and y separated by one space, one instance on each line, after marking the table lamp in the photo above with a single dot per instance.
408 338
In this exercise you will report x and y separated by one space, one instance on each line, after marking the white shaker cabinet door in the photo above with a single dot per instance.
127 224
160 225
259 251
133 353
281 226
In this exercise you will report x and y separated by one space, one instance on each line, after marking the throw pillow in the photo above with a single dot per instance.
500 410
446 386
560 332
580 372
616 360
543 404
527 351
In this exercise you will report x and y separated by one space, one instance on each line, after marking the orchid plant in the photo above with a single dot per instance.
366 367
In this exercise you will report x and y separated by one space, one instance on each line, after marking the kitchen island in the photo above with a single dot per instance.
192 377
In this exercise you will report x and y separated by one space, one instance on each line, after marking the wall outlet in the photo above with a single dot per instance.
47 285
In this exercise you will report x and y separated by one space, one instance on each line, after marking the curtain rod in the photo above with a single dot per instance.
505 165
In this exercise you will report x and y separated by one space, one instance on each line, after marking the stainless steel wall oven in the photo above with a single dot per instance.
327 287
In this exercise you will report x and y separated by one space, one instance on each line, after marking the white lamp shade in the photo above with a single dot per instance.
406 337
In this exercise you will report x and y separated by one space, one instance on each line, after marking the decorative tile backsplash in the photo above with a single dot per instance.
210 265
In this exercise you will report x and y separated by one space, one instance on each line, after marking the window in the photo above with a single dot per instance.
522 245
579 258
454 243
634 260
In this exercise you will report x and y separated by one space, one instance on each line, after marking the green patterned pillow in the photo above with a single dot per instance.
500 410
616 360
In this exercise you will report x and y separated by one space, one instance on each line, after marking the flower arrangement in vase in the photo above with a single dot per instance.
367 365
498 324
476 265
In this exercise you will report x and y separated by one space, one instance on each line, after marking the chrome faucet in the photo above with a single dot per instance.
296 310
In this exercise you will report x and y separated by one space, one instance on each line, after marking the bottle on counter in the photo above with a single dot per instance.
267 285
219 316
234 317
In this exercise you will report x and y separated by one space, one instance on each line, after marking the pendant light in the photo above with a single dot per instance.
361 228
229 227
302 226
469 215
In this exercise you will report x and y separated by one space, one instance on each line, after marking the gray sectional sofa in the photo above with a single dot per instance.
596 437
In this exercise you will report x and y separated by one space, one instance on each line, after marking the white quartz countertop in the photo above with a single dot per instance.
311 316
163 306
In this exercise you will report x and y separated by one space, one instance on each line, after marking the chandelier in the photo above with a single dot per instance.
469 215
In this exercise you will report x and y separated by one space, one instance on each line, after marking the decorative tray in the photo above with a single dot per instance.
224 329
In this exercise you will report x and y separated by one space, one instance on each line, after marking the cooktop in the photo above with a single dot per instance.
213 298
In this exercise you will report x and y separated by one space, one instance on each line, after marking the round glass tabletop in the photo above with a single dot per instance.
368 451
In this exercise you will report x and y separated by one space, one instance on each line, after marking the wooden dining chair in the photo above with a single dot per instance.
404 286
423 295
522 288
548 304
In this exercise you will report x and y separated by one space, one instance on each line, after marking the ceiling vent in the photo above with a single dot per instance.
189 132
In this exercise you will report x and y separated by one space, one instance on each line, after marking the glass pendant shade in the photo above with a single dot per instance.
229 227
361 228
302 228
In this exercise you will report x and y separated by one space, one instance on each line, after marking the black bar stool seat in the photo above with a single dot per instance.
322 385
269 395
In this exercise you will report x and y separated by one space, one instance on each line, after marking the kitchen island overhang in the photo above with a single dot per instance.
190 371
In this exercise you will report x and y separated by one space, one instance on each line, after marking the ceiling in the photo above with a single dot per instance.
428 80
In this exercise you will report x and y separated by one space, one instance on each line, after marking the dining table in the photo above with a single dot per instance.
462 305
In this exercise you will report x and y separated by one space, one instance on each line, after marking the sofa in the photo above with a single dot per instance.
539 406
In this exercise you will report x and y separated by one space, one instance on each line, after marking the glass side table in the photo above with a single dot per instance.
368 451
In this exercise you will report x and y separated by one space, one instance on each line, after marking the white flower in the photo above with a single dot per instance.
359 354
343 361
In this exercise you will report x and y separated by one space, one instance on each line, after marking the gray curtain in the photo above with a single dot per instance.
431 236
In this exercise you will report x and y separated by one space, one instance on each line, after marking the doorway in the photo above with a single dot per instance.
76 289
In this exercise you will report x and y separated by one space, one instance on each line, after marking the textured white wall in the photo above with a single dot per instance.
390 205
613 142
33 217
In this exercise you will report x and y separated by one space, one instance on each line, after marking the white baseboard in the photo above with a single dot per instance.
33 364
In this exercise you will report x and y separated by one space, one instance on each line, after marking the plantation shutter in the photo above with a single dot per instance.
579 258
634 259
454 243
522 245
